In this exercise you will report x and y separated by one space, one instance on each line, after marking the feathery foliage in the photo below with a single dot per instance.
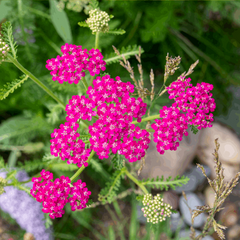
118 161
127 52
98 167
160 183
82 24
7 35
21 129
56 110
116 32
109 192
30 166
11 86
94 4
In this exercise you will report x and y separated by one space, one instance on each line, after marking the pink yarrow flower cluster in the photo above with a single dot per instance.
55 194
196 102
74 61
66 145
113 130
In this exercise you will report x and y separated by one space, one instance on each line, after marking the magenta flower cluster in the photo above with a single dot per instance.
113 130
71 66
54 195
65 143
196 102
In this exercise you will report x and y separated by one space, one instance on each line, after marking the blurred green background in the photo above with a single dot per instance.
204 30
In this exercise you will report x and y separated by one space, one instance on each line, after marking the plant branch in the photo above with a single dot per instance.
37 81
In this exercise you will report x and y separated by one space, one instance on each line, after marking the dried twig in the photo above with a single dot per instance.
222 190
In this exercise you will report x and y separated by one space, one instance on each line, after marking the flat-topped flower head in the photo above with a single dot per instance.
112 132
71 66
98 21
197 101
55 194
155 210
191 107
4 49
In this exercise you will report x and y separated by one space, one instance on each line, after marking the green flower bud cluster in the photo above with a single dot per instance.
155 210
4 49
74 5
3 183
98 21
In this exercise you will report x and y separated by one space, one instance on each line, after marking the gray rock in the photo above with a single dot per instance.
183 234
176 222
196 178
192 202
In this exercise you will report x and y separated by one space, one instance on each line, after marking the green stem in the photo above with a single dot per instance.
136 181
29 180
85 83
148 118
82 167
97 40
38 82
150 130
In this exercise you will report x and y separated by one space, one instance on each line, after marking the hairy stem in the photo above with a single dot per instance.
136 181
81 168
97 40
37 81
148 118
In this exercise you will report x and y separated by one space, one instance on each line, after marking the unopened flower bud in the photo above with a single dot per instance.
98 21
155 210
4 49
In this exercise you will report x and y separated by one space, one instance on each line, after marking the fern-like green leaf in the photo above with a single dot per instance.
63 166
82 24
55 111
7 35
20 130
11 86
30 166
127 52
109 192
118 161
116 32
94 4
160 183
49 158
97 166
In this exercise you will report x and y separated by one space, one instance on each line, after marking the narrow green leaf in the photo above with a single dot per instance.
12 159
60 22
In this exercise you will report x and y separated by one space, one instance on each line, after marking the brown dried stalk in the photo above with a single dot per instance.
222 190
171 66
190 71
139 85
